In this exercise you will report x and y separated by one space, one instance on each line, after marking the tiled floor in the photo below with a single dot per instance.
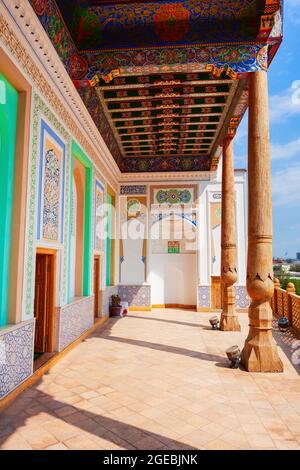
156 380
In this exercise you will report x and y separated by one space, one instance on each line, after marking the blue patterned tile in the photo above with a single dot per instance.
204 296
241 297
73 320
136 296
16 355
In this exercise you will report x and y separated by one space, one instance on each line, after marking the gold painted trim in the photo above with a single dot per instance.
170 107
184 46
153 85
142 309
159 98
166 116
175 306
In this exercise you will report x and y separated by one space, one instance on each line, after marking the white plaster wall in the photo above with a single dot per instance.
206 191
173 278
133 267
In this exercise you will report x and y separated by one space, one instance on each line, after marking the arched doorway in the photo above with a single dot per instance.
173 261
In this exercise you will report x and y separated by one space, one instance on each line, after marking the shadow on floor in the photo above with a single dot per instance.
197 325
286 341
163 347
111 430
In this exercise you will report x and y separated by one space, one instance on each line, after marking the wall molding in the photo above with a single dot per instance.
60 93
168 176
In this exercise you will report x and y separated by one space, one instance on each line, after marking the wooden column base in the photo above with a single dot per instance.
260 352
229 320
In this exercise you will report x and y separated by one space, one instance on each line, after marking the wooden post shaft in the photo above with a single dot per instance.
229 320
260 352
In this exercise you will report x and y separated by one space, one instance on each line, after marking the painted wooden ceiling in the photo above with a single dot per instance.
102 25
164 81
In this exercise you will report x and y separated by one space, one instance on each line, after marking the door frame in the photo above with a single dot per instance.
97 257
50 346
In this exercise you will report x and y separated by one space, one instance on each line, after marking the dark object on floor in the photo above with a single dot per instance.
115 311
234 356
283 324
214 321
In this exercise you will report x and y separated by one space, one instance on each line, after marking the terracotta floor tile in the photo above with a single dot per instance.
219 444
59 446
151 384
198 438
148 443
37 437
236 439
60 430
15 442
81 442
287 444
260 440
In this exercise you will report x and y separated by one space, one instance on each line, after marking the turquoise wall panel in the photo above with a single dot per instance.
8 125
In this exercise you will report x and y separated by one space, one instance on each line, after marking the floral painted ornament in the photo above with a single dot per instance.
171 22
39 6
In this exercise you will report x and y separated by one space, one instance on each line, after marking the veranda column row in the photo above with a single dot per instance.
260 352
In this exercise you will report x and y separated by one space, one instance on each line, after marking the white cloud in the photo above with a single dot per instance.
285 186
285 151
284 105
293 10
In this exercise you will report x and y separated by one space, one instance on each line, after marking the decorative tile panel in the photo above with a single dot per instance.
136 296
241 297
51 194
204 296
133 189
40 110
180 195
74 319
16 355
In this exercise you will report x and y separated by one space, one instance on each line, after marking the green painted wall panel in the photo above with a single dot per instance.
78 153
8 125
108 240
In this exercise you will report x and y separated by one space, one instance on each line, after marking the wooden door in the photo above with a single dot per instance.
216 292
44 302
96 285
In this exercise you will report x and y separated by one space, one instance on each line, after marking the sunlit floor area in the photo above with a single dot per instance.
156 380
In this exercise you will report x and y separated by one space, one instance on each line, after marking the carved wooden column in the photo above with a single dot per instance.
260 352
229 320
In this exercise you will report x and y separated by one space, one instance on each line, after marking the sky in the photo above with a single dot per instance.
284 107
